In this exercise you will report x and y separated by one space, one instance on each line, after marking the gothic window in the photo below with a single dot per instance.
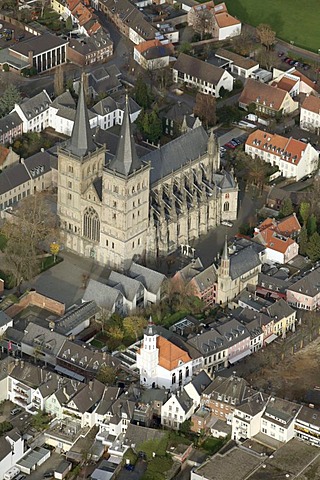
226 207
226 195
91 224
88 170
173 378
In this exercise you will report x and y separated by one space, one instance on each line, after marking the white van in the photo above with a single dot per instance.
10 474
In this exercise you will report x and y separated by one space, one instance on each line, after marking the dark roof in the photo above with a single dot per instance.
38 164
50 341
110 139
4 318
87 398
308 285
128 286
177 112
38 44
280 309
151 279
5 448
126 160
32 107
243 261
75 316
198 68
91 44
9 122
12 177
185 401
81 141
64 100
177 153
201 381
103 295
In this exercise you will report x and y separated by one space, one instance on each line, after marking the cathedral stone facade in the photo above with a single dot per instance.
122 207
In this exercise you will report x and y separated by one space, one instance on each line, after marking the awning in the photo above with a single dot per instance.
69 373
241 355
271 338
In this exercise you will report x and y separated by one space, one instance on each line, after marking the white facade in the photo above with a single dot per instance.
63 123
230 31
17 452
151 63
277 429
35 123
172 413
112 118
310 115
244 424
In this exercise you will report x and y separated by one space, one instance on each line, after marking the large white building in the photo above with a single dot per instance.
294 158
161 363
310 114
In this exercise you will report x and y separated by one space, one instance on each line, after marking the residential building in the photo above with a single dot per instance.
109 299
34 112
178 408
161 363
42 343
7 157
267 100
272 286
295 159
11 451
305 293
226 26
259 324
196 387
294 81
89 50
238 65
115 420
41 52
168 31
278 419
310 114
284 317
152 54
5 322
110 112
307 425
152 281
10 128
102 81
206 78
246 418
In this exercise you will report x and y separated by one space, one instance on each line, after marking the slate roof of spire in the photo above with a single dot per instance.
81 142
126 160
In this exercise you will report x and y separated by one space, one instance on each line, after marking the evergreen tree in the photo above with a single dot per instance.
10 96
303 241
142 93
286 208
312 225
304 211
313 247
155 127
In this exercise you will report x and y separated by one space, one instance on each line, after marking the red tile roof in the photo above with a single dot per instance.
304 79
287 149
258 92
142 47
275 234
285 83
312 104
285 226
226 20
4 152
170 355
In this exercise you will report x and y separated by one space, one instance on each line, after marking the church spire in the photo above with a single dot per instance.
81 142
225 255
225 260
126 160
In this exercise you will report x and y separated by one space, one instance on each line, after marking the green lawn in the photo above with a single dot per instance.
292 20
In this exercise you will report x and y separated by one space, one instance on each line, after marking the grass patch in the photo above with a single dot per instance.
130 455
8 280
96 343
49 262
290 20
212 445
3 242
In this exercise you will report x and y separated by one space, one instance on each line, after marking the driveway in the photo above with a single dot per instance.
52 463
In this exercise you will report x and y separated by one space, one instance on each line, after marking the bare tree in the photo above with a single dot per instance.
266 35
205 109
203 22
58 81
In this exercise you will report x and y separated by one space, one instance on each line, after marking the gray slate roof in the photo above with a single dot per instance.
104 295
243 261
39 44
75 316
185 401
198 69
12 177
4 318
88 397
33 106
9 122
206 278
308 285
151 279
126 285
280 309
177 153
39 163
110 395
201 381
50 342
64 100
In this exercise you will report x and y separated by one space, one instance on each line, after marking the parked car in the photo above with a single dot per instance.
48 474
231 145
236 141
226 223
129 467
15 411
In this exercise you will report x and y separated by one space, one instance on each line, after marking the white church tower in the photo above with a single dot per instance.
148 357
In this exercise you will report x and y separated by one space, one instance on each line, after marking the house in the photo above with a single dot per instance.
132 290
305 293
223 395
295 159
246 418
276 198
266 99
104 81
284 317
259 324
152 54
76 319
106 297
294 81
89 50
42 343
5 322
110 112
202 16
62 114
161 363
238 65
307 425
310 114
42 52
151 280
169 31
115 421
11 451
63 393
196 387
174 118
7 157
206 78
34 112
278 419
226 26
272 286
178 408
10 128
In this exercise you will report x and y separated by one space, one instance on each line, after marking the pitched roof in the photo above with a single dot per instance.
170 355
126 160
285 83
4 318
309 285
280 309
38 44
129 287
4 152
103 295
49 341
312 104
32 107
258 92
224 19
274 241
304 79
243 261
198 69
239 60
192 270
151 279
89 396
206 279
288 149
10 121
201 381
81 142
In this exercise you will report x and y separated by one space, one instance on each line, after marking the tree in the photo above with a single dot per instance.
133 326
142 93
312 224
69 25
243 44
205 109
106 375
155 126
266 35
54 249
203 22
304 211
40 421
58 81
267 58
313 247
31 229
303 240
287 207
185 47
9 98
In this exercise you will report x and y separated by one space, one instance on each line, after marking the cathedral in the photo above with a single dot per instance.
121 208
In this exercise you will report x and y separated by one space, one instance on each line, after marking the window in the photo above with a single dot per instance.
91 224
115 189
226 207
70 169
69 196
114 204
69 184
